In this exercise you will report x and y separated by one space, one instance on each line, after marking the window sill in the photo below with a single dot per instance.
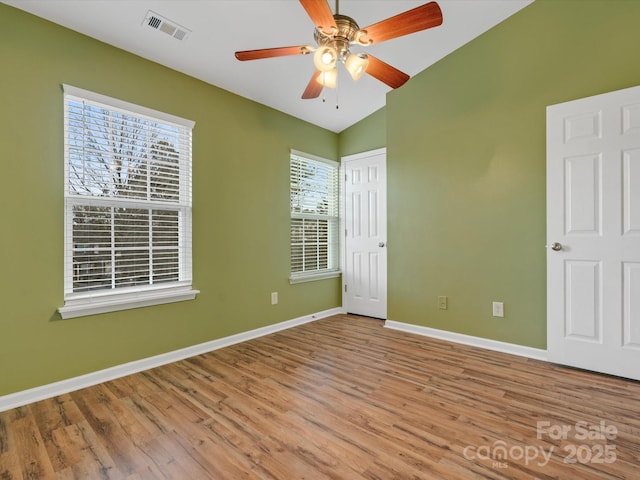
92 305
312 277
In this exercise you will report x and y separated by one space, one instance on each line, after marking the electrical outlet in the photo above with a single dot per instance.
498 309
443 302
274 298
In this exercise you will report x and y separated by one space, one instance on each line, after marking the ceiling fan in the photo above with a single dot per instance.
335 34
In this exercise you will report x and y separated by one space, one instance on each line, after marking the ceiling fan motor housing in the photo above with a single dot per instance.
346 33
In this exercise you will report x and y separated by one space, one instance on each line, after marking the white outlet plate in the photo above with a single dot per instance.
443 302
274 298
498 309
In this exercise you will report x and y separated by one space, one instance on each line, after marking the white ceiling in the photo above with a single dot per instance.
220 27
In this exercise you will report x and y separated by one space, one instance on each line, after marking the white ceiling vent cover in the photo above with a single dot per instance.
158 22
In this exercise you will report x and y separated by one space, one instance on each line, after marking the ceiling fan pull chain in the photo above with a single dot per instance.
324 96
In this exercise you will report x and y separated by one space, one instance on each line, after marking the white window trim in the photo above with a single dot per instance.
104 301
312 277
121 104
113 302
303 277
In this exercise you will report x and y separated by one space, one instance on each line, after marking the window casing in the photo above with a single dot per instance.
127 205
315 219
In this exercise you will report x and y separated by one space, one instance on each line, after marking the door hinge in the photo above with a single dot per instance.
345 288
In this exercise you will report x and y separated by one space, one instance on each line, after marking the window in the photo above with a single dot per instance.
314 218
127 205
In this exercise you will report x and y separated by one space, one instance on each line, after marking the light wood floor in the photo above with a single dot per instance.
340 398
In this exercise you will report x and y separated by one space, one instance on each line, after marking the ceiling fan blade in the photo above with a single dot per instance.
320 14
415 20
314 87
386 73
272 52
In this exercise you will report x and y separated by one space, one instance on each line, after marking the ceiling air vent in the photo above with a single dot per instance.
158 22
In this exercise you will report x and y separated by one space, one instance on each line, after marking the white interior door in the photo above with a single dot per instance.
365 260
593 233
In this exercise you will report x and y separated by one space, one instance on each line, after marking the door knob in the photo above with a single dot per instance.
556 247
381 244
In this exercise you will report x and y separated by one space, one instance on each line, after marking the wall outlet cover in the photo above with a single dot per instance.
443 302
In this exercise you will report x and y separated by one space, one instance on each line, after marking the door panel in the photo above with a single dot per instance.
583 195
631 305
631 195
583 319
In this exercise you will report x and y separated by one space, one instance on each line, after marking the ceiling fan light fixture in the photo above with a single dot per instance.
328 78
325 58
335 33
356 64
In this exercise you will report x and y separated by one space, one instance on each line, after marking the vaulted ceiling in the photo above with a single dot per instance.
215 29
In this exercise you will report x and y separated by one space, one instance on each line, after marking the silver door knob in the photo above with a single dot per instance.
381 244
556 247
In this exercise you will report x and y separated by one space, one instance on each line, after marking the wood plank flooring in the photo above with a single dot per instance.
339 398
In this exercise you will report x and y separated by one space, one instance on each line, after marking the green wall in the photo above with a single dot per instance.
466 163
368 134
240 209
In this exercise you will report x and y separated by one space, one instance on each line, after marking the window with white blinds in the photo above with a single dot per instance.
127 205
315 247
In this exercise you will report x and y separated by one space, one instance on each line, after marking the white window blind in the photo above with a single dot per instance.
315 248
127 200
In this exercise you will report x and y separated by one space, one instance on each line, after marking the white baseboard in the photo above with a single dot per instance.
512 348
25 397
